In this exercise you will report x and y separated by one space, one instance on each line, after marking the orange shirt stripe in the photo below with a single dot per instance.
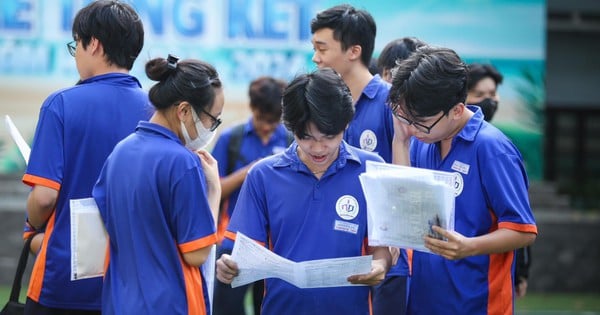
33 180
199 243
230 235
531 228
193 288
39 267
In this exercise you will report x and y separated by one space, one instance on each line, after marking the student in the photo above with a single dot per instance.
394 52
290 202
344 39
76 130
470 271
155 199
482 88
236 150
482 91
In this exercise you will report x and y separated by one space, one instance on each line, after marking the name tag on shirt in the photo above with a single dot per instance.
345 226
461 167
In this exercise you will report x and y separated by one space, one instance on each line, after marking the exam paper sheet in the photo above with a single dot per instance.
404 203
256 262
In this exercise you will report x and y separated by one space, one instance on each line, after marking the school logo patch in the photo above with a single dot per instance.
347 207
368 140
458 184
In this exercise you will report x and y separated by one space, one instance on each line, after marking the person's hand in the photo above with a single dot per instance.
457 246
227 269
521 287
377 274
402 132
210 167
36 243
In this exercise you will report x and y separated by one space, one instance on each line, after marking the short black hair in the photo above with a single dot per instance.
478 71
320 97
265 95
116 25
350 26
397 50
430 80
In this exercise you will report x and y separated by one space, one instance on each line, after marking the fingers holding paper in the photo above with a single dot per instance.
374 277
227 269
379 267
453 246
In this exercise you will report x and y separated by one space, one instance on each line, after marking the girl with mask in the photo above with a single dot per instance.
482 88
156 192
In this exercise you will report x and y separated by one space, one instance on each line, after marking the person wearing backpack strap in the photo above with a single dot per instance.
236 150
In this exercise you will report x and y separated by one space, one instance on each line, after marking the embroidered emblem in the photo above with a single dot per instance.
347 207
368 140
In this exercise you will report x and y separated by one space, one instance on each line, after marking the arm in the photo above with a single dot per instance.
400 144
458 246
382 261
197 257
234 181
523 261
40 205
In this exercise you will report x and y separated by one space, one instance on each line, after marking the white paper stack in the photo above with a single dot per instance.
404 202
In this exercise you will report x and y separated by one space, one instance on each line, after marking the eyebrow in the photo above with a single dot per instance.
319 42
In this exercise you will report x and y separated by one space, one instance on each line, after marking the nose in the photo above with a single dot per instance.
315 58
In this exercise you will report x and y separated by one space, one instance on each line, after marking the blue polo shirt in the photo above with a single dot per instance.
283 205
372 127
152 198
251 149
76 130
491 193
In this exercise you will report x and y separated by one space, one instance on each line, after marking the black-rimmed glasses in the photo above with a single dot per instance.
216 122
422 128
72 47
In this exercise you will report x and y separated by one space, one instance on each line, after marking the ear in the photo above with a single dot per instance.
354 52
183 110
457 111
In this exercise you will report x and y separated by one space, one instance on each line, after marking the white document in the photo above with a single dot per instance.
18 138
208 271
255 262
88 240
404 202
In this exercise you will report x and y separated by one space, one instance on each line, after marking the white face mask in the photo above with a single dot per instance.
205 136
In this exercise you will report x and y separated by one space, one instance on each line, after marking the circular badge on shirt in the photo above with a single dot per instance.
368 140
347 207
458 184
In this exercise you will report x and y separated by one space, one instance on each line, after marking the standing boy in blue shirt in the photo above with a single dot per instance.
77 129
470 272
307 202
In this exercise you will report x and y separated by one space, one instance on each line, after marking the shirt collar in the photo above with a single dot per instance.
373 86
471 129
152 128
114 78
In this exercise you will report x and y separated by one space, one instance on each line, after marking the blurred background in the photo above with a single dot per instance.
547 51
